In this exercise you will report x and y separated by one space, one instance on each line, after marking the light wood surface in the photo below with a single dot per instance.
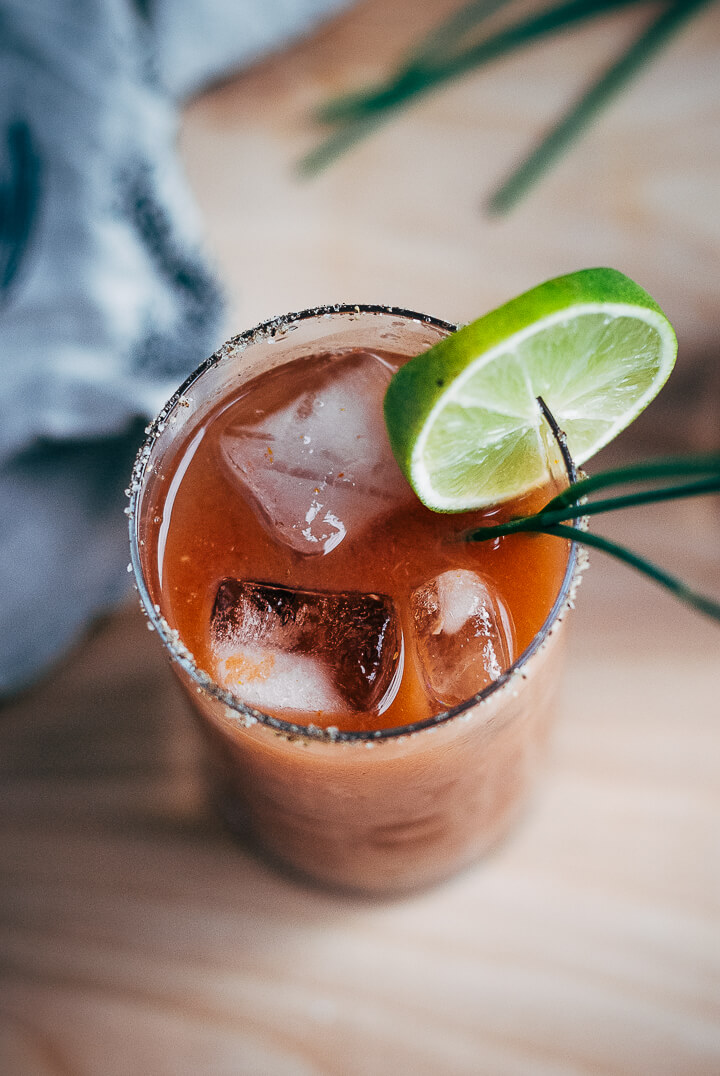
137 937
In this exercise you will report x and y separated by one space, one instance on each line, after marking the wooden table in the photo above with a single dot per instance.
137 937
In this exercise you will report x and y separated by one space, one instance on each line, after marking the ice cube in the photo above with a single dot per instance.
463 634
280 649
320 465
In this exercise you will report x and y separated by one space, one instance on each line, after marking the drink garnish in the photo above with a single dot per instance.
593 349
704 472
463 419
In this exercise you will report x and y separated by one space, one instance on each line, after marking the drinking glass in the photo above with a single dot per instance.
377 812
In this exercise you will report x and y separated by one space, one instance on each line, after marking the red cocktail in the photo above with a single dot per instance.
375 690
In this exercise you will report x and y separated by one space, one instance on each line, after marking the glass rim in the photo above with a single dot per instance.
249 715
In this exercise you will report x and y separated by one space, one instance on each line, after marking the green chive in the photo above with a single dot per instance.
578 119
700 602
433 68
572 504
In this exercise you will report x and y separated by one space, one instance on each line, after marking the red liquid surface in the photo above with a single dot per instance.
202 527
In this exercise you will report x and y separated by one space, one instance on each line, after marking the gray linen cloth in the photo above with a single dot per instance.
106 300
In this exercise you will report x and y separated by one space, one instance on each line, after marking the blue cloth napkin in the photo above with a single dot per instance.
106 299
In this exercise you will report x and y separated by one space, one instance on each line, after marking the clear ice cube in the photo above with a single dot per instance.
463 634
280 649
319 466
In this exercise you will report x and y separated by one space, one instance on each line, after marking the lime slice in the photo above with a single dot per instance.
463 419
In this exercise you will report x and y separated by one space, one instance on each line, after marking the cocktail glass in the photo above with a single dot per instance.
383 811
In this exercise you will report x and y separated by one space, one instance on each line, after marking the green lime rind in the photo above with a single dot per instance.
463 420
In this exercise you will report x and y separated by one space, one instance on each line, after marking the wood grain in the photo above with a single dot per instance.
136 936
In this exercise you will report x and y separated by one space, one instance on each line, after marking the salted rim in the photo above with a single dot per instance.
248 715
